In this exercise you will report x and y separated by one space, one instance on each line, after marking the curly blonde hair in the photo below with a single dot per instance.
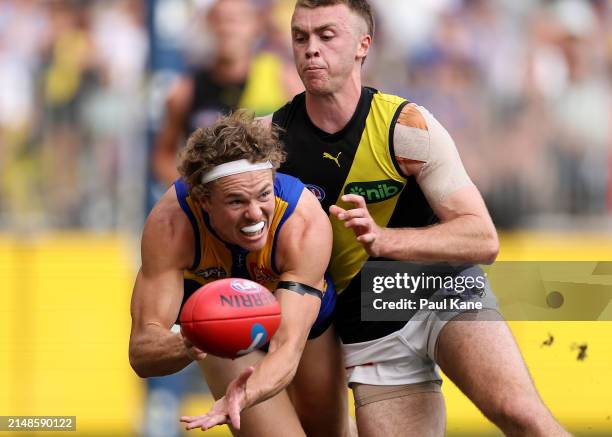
230 138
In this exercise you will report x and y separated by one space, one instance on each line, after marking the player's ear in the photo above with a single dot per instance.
365 41
205 202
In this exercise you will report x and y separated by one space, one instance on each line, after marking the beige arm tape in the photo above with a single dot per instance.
420 137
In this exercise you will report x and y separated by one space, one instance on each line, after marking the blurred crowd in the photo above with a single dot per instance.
523 87
72 75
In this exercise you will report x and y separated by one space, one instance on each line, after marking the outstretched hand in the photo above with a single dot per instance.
225 410
360 221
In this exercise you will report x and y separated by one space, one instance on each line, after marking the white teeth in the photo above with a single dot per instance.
253 228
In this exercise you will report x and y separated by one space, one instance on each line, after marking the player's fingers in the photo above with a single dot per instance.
194 419
213 421
336 211
366 238
354 213
194 424
196 354
206 421
364 223
359 201
234 414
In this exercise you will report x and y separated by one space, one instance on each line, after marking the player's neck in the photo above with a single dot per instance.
231 70
332 112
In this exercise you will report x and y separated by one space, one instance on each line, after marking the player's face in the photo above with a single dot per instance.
241 207
234 25
327 46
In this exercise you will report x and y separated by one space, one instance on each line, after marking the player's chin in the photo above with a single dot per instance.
254 242
317 86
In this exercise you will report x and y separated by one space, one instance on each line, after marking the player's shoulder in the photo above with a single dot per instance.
285 182
307 210
265 120
306 232
386 98
411 114
167 227
287 188
180 93
281 116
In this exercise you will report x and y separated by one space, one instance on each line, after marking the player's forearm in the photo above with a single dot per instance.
273 373
158 352
464 239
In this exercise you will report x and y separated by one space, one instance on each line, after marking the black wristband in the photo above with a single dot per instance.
300 288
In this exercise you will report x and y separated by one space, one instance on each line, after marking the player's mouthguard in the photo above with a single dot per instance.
252 229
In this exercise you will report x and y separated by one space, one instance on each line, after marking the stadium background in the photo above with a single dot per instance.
524 88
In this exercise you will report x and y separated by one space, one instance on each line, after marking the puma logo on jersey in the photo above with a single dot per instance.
333 158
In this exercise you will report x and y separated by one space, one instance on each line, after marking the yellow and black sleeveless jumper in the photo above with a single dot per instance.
215 259
358 159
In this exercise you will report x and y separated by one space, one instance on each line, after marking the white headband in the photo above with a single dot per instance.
232 168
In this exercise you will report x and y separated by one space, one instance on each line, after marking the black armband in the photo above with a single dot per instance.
300 288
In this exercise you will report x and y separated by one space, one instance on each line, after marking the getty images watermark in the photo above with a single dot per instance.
454 284
534 290
397 291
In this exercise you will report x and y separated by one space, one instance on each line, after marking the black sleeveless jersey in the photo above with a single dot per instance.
358 159
211 99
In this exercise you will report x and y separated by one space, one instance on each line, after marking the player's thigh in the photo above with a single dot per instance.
414 415
318 390
219 372
482 358
274 417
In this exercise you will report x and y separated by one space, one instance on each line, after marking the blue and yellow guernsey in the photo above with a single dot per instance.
216 259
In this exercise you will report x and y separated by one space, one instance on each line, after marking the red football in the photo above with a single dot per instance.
230 317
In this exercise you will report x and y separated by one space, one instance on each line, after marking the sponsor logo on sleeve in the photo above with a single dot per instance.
317 191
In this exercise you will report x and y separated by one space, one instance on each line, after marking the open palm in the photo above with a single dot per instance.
225 410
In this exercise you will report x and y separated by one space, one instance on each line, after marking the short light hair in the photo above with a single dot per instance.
230 138
360 7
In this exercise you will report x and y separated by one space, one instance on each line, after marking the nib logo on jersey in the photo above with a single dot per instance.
375 191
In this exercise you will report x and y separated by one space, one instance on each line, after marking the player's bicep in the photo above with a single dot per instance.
305 243
158 290
304 249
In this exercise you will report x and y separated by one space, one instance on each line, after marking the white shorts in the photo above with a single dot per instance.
406 356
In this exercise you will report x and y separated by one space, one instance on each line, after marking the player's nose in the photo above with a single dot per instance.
253 212
312 49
